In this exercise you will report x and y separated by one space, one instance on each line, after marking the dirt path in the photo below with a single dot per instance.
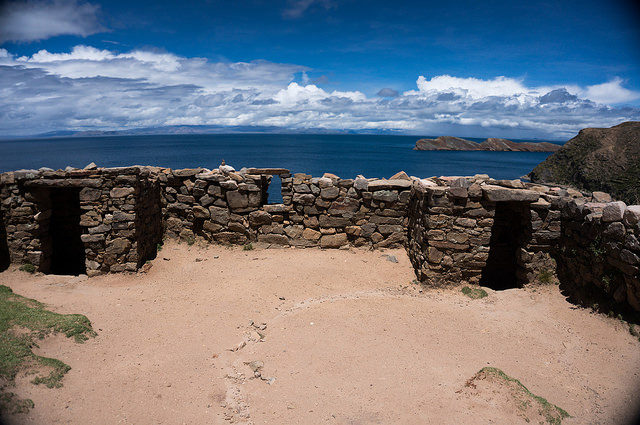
311 336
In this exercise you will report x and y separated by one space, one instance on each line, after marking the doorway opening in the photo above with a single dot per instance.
5 258
508 234
67 249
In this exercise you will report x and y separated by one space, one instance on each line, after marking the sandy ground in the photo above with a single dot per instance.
338 337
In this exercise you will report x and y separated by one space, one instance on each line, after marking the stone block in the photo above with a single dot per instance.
89 194
274 239
200 212
504 194
632 215
237 200
334 241
613 211
330 192
259 218
385 195
121 192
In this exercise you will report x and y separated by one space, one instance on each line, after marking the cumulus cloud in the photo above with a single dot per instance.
611 92
96 89
25 21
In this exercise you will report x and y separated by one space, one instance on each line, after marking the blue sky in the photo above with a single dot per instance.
499 68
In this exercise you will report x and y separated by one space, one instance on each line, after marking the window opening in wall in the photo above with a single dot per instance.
507 235
274 191
67 249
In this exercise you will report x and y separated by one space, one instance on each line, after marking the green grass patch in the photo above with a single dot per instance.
28 267
545 276
248 247
23 322
552 414
474 293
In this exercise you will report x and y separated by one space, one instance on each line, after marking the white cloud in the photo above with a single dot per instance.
472 87
611 92
93 89
39 20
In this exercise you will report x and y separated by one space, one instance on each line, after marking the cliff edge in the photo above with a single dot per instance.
449 143
602 159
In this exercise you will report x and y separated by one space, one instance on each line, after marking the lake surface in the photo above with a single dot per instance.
343 155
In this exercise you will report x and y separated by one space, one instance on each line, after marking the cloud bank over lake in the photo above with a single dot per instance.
88 88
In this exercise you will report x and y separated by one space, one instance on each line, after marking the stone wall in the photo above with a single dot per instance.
507 233
456 230
470 229
229 206
599 253
106 202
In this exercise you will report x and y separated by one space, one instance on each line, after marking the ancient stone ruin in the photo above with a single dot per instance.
475 230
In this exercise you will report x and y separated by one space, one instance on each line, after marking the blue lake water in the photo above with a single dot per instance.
343 155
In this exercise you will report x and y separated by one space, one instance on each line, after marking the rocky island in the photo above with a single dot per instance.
449 143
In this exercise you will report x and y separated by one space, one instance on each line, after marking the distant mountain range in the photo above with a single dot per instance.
198 129
449 143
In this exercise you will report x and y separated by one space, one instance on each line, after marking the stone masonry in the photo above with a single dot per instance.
474 230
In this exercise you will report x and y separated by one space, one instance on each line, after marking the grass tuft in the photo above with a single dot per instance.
23 321
552 414
474 293
545 276
248 247
28 267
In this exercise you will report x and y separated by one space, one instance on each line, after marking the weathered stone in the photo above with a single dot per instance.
377 185
88 194
361 184
458 192
219 215
237 200
212 227
503 194
92 238
334 241
185 199
258 218
601 197
330 192
386 229
347 205
294 231
121 192
465 222
275 208
119 216
304 198
200 212
400 175
613 211
118 246
385 196
632 215
326 221
274 239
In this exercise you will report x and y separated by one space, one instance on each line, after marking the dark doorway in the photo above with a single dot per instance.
508 234
67 249
5 258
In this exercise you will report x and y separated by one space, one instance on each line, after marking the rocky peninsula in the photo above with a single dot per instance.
600 159
449 143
